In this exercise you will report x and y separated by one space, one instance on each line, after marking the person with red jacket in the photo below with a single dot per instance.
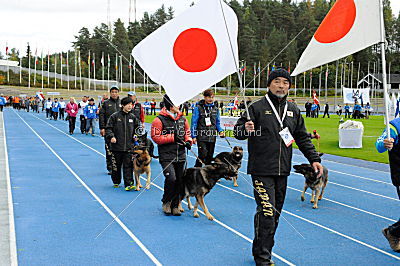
72 110
171 131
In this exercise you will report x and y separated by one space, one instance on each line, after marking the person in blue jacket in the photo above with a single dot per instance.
347 111
55 108
392 145
2 103
206 127
357 111
90 113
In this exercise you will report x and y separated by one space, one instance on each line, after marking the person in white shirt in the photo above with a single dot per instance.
48 106
62 108
82 104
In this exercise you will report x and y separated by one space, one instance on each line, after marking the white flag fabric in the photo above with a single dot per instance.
359 95
193 51
350 26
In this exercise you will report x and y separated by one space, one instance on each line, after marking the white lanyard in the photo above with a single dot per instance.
276 112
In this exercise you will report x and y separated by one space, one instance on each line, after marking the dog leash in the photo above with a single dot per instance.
228 142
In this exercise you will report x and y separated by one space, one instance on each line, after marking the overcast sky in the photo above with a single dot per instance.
52 24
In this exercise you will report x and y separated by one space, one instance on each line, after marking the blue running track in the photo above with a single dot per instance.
65 205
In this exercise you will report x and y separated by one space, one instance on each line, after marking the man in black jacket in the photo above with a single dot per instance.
120 131
274 125
109 107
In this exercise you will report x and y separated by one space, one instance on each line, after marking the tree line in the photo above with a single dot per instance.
265 28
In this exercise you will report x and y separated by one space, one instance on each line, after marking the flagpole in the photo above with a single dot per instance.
304 84
80 68
42 69
130 73
320 82
102 70
75 68
20 70
259 76
116 68
358 73
310 82
254 82
55 71
326 82
67 70
48 69
352 70
61 67
336 80
94 71
295 85
34 75
120 60
384 77
8 67
89 62
341 80
108 70
134 75
29 68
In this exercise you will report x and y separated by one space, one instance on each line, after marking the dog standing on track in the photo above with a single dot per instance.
233 158
317 184
141 165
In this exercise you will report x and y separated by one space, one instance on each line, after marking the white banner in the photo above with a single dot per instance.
359 95
228 122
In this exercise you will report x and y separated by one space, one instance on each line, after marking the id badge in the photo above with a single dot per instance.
286 136
72 111
91 111
208 121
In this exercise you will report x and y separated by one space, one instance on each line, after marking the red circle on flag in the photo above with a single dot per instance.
338 22
195 50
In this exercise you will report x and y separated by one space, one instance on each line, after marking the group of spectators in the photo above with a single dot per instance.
356 112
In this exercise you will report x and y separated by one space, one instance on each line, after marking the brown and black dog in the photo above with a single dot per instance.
316 184
233 158
141 165
198 182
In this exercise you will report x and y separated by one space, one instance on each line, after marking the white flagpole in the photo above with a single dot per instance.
34 75
254 80
295 85
29 68
102 70
48 69
75 68
352 71
61 68
8 67
55 71
384 77
120 60
94 70
116 68
108 70
341 80
130 73
358 73
89 62
134 75
304 84
259 76
336 80
67 70
20 70
80 68
42 70
326 82
320 82
310 83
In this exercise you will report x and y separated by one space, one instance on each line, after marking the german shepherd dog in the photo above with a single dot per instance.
233 158
141 165
316 184
198 182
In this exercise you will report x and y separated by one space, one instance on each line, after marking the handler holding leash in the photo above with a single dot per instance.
392 233
275 124
205 127
170 130
109 107
121 129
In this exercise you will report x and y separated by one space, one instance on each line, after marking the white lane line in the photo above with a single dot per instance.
322 226
366 168
217 221
230 229
111 213
11 221
365 191
335 171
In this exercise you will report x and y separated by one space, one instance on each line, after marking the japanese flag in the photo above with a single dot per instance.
350 26
193 51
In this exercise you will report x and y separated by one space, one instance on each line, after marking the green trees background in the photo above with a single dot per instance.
265 27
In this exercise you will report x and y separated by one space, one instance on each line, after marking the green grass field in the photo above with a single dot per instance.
329 142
